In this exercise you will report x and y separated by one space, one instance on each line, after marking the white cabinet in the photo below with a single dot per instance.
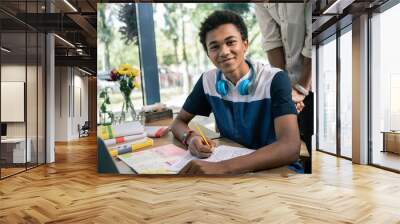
18 148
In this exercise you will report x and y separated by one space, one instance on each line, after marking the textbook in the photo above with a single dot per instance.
130 146
113 131
124 139
170 159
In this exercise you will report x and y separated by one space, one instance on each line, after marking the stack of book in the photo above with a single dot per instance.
124 138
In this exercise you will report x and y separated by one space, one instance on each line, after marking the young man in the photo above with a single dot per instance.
251 103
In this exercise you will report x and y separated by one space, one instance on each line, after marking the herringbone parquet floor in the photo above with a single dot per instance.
70 191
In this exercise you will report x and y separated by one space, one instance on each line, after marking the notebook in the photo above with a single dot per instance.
220 153
157 160
170 159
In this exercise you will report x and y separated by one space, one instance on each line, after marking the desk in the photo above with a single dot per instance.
17 150
391 141
169 138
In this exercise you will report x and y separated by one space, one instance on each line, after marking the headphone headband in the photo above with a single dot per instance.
244 86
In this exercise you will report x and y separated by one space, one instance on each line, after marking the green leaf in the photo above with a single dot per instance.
103 108
107 100
103 94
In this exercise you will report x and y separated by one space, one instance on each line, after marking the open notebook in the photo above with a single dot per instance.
170 159
220 153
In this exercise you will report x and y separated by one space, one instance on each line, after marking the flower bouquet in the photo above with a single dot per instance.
126 75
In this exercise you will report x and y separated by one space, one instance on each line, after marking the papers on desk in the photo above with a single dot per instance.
170 159
220 153
156 160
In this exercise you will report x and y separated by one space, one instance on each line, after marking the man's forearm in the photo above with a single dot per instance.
178 128
276 58
305 78
271 156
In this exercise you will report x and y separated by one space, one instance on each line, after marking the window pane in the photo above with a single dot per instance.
32 97
13 84
346 94
327 97
116 45
180 56
385 87
41 98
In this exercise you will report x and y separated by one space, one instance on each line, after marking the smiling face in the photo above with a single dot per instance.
226 49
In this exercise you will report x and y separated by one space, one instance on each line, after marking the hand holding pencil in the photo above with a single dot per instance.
199 145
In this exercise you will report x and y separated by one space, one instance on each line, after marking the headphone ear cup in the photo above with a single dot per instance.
244 87
222 87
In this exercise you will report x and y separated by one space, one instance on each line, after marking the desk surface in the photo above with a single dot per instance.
391 132
13 140
169 138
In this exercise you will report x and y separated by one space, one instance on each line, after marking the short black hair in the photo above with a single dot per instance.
218 18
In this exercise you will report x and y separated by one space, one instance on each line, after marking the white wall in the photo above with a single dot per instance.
12 73
80 94
33 127
70 83
61 104
50 93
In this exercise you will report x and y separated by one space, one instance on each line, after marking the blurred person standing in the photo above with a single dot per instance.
286 38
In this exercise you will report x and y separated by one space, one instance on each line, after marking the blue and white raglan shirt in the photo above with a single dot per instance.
247 120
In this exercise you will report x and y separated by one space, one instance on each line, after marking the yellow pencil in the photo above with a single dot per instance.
202 135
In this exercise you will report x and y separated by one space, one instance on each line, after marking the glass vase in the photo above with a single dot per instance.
128 112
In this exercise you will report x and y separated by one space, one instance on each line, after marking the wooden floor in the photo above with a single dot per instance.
10 171
386 159
70 191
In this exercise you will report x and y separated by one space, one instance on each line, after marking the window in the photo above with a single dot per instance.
385 84
180 56
346 94
327 96
117 45
22 76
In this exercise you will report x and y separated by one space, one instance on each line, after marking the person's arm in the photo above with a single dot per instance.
271 36
180 124
196 145
284 151
276 58
305 78
305 82
195 104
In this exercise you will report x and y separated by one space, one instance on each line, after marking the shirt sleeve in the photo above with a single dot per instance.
197 102
281 95
307 49
271 37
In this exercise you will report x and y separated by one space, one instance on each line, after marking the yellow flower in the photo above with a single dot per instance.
134 72
128 70
136 85
124 69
